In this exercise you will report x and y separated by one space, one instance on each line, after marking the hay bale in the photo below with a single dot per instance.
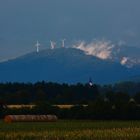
30 118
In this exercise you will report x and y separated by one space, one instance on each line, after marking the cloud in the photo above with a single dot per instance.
129 62
124 60
101 49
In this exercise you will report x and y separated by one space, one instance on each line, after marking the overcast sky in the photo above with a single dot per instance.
22 22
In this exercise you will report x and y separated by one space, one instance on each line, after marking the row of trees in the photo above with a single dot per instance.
21 93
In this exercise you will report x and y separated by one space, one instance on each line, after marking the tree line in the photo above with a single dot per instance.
54 93
103 102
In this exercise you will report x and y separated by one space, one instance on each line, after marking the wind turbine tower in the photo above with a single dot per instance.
37 46
52 44
63 43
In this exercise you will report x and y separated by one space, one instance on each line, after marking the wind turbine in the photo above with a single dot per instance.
63 43
37 46
52 44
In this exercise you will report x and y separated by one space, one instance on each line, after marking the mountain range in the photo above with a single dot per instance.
65 65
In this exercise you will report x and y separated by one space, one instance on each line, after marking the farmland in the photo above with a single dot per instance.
71 130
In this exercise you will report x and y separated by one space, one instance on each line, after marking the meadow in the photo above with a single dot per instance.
71 130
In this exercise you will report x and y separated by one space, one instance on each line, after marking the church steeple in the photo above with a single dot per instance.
90 82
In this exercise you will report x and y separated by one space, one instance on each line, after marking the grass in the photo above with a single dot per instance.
71 130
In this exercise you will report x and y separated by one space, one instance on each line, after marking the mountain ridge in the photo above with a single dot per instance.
64 65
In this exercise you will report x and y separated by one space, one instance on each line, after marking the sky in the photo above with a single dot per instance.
22 23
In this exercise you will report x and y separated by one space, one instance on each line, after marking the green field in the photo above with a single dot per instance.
71 130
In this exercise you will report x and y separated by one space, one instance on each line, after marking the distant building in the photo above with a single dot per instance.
90 82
